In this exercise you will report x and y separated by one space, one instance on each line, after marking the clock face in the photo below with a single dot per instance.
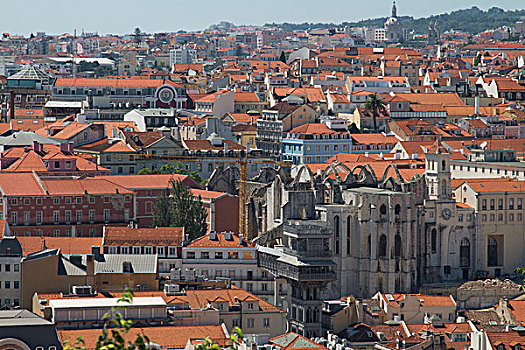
446 213
166 95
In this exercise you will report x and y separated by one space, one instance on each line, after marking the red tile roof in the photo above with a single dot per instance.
154 181
10 184
158 236
246 97
206 145
425 300
376 138
220 242
106 82
313 128
496 185
168 337
67 245
83 186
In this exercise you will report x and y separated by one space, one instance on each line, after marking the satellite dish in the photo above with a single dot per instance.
483 144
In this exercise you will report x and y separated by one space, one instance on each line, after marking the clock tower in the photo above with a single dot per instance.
437 170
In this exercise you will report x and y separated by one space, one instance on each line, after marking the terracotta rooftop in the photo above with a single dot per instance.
154 181
220 242
206 145
168 337
159 236
105 82
67 245
313 128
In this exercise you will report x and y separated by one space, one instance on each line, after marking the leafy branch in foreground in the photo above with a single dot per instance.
114 338
235 341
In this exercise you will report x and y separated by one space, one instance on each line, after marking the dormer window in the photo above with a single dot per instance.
126 267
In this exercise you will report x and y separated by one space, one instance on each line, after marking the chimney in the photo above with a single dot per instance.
476 105
36 146
63 147
76 260
95 251
70 147
90 264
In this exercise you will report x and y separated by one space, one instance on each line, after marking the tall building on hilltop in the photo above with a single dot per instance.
394 29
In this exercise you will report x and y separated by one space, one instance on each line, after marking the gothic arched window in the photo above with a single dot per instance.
464 253
381 248
337 234
397 246
492 252
433 240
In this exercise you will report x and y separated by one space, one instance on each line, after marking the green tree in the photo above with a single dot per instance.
282 58
354 129
147 171
137 35
162 212
177 168
178 207
238 51
197 178
477 60
375 105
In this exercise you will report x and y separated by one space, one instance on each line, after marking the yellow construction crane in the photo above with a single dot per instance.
243 160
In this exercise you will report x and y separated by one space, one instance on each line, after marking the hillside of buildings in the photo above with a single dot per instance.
361 189
472 20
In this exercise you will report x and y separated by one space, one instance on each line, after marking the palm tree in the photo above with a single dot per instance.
374 104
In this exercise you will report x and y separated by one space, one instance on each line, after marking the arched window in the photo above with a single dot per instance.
277 200
443 165
382 209
126 267
444 187
492 252
397 209
381 248
397 246
433 240
349 222
337 234
464 253
370 245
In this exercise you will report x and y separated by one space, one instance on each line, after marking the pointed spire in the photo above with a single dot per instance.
394 10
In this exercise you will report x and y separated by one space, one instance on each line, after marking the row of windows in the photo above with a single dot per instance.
172 251
16 302
219 255
7 267
501 217
490 170
327 148
250 322
67 218
57 200
492 204
67 232
7 285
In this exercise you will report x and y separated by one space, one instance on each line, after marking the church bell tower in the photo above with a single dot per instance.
394 10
